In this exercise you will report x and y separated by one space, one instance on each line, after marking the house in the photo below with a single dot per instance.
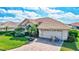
9 25
49 28
74 25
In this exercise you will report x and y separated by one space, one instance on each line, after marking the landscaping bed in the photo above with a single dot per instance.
10 42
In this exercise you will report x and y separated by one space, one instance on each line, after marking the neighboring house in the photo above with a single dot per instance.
9 25
74 25
49 28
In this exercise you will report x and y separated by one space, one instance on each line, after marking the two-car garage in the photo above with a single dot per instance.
51 34
60 34
53 29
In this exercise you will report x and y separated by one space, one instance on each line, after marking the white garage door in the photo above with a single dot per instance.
57 34
49 34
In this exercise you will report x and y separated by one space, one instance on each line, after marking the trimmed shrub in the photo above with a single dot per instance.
73 34
26 33
20 29
72 38
19 34
4 32
10 34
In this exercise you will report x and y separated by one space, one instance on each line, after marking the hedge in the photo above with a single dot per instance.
4 32
73 34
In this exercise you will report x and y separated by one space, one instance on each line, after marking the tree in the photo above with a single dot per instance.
32 30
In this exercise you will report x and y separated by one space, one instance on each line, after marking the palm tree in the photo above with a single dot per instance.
32 30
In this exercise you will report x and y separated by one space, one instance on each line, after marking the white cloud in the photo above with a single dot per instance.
31 8
59 14
21 16
51 11
28 14
15 11
2 11
71 16
31 14
4 19
56 16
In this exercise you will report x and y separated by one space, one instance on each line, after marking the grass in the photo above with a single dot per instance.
71 46
9 42
77 43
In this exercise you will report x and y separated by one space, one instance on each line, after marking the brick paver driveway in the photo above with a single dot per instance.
39 45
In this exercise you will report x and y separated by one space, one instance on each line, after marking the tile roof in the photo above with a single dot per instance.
42 20
9 24
51 26
75 24
46 23
36 21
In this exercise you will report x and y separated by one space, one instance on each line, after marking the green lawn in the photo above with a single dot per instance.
9 42
71 46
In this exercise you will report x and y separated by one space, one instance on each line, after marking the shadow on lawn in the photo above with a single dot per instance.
70 45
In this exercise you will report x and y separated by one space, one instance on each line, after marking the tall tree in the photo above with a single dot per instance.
32 29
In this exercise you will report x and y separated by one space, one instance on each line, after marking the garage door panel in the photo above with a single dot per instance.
58 34
49 34
46 36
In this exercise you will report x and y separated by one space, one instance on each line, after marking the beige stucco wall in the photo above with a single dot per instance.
65 34
9 29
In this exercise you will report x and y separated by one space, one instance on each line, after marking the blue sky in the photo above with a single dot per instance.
63 14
